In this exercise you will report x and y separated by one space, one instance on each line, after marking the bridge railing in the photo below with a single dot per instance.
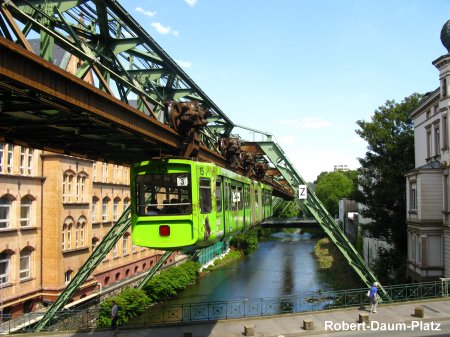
159 315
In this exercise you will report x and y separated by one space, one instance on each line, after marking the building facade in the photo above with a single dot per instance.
54 210
428 184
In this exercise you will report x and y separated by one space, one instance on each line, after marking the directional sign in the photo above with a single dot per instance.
302 192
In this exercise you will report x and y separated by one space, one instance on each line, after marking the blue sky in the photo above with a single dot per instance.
304 71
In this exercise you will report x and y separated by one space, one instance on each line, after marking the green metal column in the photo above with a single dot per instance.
314 205
155 268
91 263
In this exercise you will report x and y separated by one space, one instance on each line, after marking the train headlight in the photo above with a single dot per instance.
164 230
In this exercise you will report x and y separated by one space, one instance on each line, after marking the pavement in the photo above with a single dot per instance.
436 316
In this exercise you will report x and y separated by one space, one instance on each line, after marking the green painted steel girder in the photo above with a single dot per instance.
279 159
108 242
154 269
110 43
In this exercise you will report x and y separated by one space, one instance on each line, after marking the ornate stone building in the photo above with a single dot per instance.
54 209
428 184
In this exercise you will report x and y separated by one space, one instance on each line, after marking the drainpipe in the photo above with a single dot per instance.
42 220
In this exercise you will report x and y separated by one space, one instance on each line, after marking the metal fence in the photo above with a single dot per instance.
158 315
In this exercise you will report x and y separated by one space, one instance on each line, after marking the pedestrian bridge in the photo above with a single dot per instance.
290 223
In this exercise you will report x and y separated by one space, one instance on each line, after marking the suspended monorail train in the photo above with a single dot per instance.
184 204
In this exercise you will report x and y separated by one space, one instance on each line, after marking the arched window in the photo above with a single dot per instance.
5 258
68 186
25 263
25 211
117 277
94 242
116 208
125 240
80 232
94 209
69 236
81 179
5 212
67 233
105 202
126 203
114 250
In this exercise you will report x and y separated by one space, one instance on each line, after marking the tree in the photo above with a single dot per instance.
390 154
333 186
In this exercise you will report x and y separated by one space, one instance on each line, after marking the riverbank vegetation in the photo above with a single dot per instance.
133 302
233 255
169 282
333 267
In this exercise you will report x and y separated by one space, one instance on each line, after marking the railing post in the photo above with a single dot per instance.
444 286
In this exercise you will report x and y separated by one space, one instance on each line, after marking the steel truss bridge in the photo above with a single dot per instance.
83 78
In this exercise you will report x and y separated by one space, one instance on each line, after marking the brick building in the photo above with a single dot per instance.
54 209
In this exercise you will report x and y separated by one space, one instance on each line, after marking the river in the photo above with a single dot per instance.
282 265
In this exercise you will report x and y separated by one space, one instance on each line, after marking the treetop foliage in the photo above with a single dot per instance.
390 154
333 186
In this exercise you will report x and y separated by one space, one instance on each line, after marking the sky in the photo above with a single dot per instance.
304 71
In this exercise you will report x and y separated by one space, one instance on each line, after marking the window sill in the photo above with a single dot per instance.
28 279
412 211
125 255
6 285
28 228
75 203
8 229
72 250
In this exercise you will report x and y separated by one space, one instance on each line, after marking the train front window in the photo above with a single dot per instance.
163 194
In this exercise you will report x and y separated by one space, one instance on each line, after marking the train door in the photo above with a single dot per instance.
240 207
205 201
220 211
246 197
234 218
228 212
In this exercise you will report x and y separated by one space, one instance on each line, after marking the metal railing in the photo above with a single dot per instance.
158 315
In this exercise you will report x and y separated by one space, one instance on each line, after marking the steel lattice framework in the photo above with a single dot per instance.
111 46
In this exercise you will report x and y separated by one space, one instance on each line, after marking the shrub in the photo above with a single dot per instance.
172 280
132 302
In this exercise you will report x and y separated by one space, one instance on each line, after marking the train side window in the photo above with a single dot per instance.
205 195
233 197
219 196
239 198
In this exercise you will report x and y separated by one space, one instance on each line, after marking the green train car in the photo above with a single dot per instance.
180 203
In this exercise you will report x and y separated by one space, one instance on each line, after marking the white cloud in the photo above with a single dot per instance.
145 12
164 29
191 2
307 123
184 64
